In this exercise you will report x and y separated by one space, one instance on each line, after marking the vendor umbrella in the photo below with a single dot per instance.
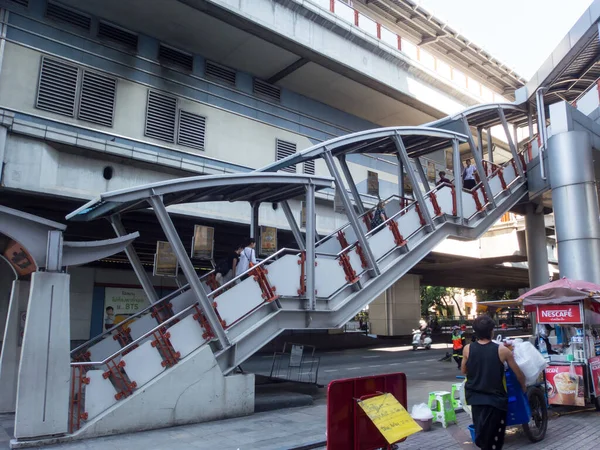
564 290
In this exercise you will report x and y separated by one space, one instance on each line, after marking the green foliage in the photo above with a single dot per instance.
439 297
484 295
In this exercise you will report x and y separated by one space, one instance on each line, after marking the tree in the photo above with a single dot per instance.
433 297
484 295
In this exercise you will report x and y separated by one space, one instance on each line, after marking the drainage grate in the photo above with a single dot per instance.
61 14
285 149
118 35
267 90
97 102
191 130
219 72
161 116
175 57
57 88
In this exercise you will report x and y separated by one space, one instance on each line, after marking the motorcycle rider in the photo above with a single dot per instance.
458 344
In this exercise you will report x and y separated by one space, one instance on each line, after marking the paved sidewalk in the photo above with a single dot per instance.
289 428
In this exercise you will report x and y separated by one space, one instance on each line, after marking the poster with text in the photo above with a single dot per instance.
565 385
165 261
203 242
372 183
119 303
268 240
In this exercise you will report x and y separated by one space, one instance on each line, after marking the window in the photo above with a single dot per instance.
62 14
191 129
220 73
170 56
118 35
161 116
266 90
71 91
283 150
309 167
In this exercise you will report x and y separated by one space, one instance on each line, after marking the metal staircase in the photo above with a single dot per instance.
350 267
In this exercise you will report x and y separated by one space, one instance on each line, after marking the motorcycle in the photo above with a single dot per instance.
421 338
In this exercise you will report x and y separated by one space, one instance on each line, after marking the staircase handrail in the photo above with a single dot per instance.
166 298
392 217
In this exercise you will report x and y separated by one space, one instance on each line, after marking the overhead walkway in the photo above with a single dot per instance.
319 284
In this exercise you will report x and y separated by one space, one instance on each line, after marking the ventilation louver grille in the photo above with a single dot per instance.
97 103
220 73
21 2
309 167
191 130
267 90
57 88
285 149
161 116
118 35
175 57
65 15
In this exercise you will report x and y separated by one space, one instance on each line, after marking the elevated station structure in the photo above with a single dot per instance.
142 113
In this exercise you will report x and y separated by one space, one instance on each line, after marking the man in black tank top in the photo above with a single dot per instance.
485 389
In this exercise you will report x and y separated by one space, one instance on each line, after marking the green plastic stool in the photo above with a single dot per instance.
456 403
440 404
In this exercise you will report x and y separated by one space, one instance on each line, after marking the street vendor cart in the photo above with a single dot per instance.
568 335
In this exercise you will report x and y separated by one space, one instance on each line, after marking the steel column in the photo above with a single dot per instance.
188 269
511 144
478 163
351 185
422 175
410 171
537 251
480 140
351 214
400 180
575 202
311 223
254 220
490 147
293 225
458 182
134 259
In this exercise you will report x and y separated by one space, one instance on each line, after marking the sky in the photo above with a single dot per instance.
520 33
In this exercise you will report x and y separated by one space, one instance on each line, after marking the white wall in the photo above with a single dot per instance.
404 307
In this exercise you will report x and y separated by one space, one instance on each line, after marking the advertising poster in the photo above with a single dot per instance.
563 314
565 385
372 183
165 261
203 242
595 373
19 258
119 303
268 240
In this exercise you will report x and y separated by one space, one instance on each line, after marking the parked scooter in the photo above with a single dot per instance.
422 338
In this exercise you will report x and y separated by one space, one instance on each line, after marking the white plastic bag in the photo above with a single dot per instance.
530 361
421 412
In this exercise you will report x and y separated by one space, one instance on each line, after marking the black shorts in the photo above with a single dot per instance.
490 427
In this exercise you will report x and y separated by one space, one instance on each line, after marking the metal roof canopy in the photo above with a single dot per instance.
417 140
483 116
250 187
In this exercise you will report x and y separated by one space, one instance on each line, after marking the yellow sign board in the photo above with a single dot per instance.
390 417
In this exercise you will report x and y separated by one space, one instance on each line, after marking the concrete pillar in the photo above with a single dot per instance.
44 371
11 355
397 311
575 203
537 252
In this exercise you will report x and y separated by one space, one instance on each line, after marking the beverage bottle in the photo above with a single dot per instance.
543 348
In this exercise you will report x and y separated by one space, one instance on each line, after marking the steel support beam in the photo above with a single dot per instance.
537 251
288 70
293 225
351 185
351 214
134 259
412 176
478 163
490 147
422 175
458 182
254 220
311 223
511 144
188 269
480 140
400 180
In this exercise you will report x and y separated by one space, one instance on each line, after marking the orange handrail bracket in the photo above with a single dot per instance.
302 264
348 270
201 318
260 276
436 206
421 218
454 207
477 201
361 255
398 239
341 237
367 219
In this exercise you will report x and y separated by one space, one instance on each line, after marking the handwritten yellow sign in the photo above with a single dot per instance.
390 417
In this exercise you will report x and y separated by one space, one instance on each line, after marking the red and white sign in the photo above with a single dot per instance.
559 314
594 364
565 385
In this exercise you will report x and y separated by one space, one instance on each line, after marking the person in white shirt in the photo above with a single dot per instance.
246 257
468 176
